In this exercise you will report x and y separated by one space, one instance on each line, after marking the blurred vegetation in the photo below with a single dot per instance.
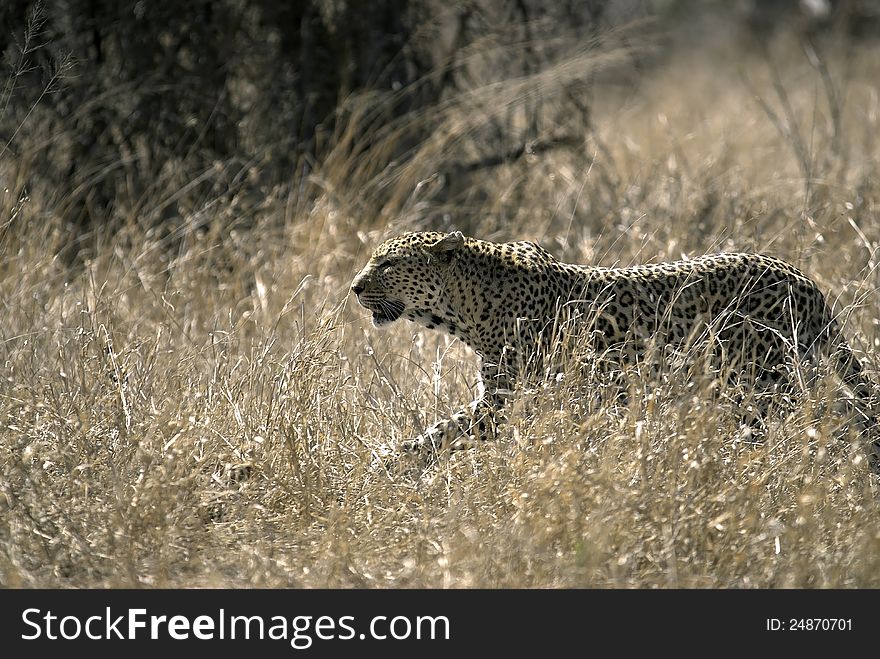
112 101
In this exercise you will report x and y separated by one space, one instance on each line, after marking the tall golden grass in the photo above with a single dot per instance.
204 405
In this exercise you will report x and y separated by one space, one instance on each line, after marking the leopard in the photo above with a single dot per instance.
758 315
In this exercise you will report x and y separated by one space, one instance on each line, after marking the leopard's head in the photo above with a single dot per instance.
405 277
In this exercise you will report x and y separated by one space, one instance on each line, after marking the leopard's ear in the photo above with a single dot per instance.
444 248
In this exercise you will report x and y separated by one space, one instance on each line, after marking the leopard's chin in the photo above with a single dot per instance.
381 320
386 312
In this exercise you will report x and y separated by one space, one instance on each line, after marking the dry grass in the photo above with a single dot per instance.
201 406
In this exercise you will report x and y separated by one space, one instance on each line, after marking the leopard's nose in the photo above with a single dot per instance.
357 288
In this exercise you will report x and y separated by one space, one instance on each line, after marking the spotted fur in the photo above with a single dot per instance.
757 313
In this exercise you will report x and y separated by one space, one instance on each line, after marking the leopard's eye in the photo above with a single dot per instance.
384 265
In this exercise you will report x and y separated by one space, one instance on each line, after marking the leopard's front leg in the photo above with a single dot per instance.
464 429
468 427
